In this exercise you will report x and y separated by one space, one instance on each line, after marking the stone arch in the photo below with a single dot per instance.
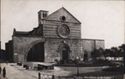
64 51
30 46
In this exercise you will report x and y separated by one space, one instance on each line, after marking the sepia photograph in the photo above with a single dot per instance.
62 39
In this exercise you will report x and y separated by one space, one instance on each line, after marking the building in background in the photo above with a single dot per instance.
9 50
57 37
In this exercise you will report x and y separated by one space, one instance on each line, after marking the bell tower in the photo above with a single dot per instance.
42 14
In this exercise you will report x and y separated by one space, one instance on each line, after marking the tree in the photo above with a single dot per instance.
97 53
107 52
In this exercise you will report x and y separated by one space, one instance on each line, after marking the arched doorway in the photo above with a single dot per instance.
36 53
64 51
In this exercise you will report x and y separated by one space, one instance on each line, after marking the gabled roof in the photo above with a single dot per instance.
60 12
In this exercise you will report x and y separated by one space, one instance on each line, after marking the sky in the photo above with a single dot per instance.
100 19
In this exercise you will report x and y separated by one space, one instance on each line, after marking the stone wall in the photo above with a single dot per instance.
51 48
100 44
50 29
77 46
89 45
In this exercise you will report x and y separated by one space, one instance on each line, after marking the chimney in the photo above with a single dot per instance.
42 14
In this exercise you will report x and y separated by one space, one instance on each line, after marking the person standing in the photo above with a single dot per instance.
39 75
0 69
4 72
53 77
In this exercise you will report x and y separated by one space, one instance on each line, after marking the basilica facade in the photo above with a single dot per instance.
57 37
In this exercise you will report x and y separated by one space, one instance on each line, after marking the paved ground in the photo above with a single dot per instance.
1 77
14 72
18 72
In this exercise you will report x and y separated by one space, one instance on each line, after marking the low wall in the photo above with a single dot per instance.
73 70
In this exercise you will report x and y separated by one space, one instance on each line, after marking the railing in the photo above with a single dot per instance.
44 76
92 77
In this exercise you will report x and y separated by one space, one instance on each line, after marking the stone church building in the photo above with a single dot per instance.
57 37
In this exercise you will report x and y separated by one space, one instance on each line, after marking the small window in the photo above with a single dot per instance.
44 15
62 18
